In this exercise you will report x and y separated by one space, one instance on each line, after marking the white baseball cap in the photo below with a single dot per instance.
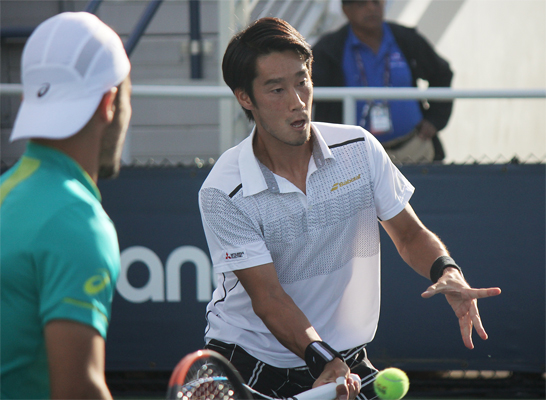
69 62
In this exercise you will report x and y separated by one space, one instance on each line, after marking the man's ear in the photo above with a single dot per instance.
244 99
107 108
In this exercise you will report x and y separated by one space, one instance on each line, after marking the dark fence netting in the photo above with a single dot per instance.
198 162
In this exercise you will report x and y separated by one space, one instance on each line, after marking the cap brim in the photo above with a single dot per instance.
58 120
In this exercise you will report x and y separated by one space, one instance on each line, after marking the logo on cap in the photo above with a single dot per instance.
43 90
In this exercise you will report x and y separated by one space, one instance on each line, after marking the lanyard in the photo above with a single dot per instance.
380 120
362 71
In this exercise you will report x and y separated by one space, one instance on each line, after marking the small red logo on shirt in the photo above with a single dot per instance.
235 255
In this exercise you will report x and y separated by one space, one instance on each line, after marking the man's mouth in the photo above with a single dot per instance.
298 124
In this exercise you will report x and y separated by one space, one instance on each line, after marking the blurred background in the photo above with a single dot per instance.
486 201
496 44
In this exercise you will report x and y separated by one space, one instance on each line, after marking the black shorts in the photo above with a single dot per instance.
287 382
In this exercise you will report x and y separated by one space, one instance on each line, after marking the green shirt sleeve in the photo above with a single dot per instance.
78 262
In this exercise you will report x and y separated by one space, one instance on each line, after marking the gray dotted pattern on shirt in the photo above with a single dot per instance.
337 225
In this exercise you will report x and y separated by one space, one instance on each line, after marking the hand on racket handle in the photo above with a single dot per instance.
327 391
206 374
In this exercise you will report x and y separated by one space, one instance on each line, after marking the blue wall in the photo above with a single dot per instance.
491 217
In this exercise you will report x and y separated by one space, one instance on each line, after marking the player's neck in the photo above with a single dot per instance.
290 162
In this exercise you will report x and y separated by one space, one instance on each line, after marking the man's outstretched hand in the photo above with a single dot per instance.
464 301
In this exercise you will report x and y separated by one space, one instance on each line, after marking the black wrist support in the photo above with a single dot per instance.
317 355
441 263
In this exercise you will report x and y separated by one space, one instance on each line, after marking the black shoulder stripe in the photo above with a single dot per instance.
236 190
333 146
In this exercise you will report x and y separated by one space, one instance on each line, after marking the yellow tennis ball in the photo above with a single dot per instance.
391 384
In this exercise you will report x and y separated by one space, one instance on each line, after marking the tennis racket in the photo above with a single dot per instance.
207 375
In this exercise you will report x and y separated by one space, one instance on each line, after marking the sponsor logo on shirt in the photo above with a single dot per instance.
396 61
235 255
97 283
337 185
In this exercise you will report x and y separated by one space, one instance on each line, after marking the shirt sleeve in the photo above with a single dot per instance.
234 237
77 259
392 191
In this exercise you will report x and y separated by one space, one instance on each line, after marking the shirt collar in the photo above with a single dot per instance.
352 39
256 177
64 162
386 41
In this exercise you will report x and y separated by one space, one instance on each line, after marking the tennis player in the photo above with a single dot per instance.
291 219
60 255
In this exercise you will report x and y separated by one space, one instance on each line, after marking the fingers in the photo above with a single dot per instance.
474 294
482 293
336 369
468 321
354 387
342 389
347 388
426 130
465 323
464 292
476 321
470 293
464 302
431 291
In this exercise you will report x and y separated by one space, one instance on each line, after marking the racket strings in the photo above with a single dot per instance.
206 382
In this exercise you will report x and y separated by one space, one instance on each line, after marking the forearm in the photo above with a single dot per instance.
87 390
417 245
291 327
293 330
421 249
286 322
278 311
76 358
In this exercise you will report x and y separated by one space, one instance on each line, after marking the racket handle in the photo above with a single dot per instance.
324 392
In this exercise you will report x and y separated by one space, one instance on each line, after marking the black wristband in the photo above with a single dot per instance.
441 263
317 355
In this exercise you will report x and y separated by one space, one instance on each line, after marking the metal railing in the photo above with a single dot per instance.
348 95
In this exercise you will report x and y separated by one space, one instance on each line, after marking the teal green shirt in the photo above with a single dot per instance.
59 259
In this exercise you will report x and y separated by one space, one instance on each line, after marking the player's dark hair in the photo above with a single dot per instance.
264 36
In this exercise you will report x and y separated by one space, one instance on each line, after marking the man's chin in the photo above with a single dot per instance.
108 172
307 134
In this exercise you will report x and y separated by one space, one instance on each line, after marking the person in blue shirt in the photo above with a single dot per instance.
60 254
371 52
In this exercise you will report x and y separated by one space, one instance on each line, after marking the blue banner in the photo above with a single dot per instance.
491 217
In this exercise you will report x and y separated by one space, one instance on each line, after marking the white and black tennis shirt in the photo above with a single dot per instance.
324 245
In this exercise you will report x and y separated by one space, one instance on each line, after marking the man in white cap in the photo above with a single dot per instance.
60 254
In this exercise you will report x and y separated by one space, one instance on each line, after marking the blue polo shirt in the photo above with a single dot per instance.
59 260
405 114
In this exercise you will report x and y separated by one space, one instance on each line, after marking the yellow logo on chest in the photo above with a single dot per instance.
337 185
